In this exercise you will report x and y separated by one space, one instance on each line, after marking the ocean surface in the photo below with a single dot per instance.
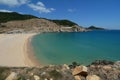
81 47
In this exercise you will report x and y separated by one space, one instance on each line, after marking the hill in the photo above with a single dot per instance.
13 16
64 22
95 28
15 22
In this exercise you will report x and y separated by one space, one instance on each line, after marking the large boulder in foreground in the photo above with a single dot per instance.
80 70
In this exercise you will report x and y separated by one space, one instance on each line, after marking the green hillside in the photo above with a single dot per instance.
5 16
13 16
64 22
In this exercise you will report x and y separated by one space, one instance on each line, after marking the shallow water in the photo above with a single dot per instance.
82 47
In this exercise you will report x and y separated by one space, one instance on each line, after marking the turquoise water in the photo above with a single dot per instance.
85 47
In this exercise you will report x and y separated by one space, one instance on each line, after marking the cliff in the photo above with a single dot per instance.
98 70
17 23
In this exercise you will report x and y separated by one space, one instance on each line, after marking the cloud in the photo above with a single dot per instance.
3 10
13 2
70 10
40 7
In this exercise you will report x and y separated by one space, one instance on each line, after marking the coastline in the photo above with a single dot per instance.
16 51
29 53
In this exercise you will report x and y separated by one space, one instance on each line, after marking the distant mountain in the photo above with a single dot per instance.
13 16
15 22
95 28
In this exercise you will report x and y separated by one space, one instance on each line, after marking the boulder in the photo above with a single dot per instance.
80 70
77 78
65 66
36 77
92 77
51 78
12 76
107 67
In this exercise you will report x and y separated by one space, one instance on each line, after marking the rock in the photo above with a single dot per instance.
92 77
77 78
107 67
80 70
36 77
102 62
43 73
66 66
51 78
73 65
12 76
117 64
45 79
31 74
92 66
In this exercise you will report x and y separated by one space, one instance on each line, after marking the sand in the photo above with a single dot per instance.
14 50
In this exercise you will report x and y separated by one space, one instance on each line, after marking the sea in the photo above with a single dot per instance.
80 47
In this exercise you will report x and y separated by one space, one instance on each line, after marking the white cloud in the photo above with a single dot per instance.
40 7
3 10
70 10
13 2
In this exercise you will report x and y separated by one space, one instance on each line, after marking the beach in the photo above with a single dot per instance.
14 50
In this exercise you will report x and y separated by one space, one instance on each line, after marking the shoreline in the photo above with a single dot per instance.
32 60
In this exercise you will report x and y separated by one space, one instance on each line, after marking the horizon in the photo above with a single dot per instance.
102 13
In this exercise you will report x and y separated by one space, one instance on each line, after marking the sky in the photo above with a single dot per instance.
100 13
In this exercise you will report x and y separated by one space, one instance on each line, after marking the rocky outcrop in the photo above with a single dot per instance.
101 71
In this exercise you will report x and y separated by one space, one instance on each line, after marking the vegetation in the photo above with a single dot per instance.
64 22
5 16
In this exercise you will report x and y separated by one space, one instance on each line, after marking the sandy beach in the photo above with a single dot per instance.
14 50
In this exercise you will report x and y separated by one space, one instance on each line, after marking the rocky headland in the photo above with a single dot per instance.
98 70
95 28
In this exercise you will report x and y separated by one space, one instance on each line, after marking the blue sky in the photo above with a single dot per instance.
101 13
